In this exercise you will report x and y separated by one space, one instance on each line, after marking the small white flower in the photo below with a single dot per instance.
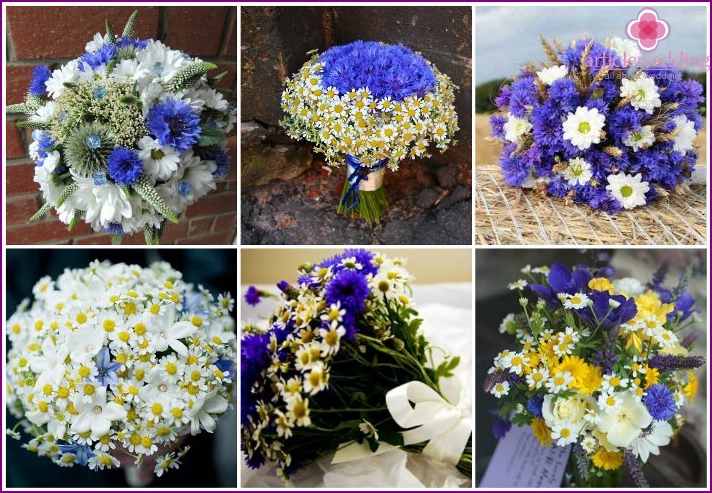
551 74
583 128
368 429
650 442
625 48
520 284
516 127
684 135
642 92
578 171
500 389
559 382
641 139
563 433
628 190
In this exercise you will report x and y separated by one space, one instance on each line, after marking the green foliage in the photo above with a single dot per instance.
149 194
66 193
210 136
110 34
42 212
188 76
129 27
485 94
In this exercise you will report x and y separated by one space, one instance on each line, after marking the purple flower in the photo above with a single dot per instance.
96 59
125 166
362 257
524 94
222 161
497 125
39 76
174 123
564 95
107 369
660 402
348 288
534 405
668 362
252 296
386 70
514 168
500 428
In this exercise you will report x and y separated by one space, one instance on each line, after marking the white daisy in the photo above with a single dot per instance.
551 74
576 301
625 48
500 389
66 73
642 92
684 135
583 128
578 171
159 162
520 284
516 127
640 139
628 190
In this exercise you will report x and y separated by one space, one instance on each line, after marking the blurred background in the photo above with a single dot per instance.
684 462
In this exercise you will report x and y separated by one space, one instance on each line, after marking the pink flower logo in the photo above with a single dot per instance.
648 29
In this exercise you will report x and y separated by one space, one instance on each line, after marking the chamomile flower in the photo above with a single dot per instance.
577 172
515 128
642 93
583 128
549 75
576 301
500 389
640 139
685 134
628 190
517 285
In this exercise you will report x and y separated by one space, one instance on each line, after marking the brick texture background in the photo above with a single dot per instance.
207 32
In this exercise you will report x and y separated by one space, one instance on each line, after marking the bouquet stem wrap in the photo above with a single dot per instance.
363 192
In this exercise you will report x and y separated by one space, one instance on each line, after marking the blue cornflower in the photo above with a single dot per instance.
363 257
254 358
45 142
96 59
502 100
599 56
140 44
534 406
350 289
497 125
500 428
564 95
222 161
125 166
107 369
524 94
688 95
82 453
39 76
113 228
546 125
660 402
174 123
252 296
386 70
513 166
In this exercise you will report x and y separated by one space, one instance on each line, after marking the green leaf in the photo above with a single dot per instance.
71 188
130 99
392 438
445 369
149 194
210 136
42 212
34 125
116 239
110 34
129 27
522 420
74 221
214 80
188 75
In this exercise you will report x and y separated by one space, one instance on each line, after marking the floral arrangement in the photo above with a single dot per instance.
584 129
118 362
127 135
373 105
600 364
338 367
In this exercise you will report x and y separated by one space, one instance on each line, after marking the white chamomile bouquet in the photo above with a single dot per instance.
114 363
126 136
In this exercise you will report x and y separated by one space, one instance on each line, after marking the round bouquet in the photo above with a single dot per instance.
343 373
372 105
127 135
113 364
584 128
600 365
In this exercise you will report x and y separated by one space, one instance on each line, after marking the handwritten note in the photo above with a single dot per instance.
520 462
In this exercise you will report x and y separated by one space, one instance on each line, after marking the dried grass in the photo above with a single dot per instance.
506 215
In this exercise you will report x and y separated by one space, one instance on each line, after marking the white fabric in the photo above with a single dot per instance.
446 310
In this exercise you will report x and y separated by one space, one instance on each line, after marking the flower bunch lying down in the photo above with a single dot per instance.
127 135
586 128
375 104
338 369
600 363
118 362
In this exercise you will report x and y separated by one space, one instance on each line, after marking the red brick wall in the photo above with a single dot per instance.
207 32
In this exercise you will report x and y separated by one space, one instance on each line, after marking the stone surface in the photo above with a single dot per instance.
303 210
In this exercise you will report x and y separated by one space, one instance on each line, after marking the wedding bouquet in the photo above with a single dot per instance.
600 364
372 105
584 129
127 135
338 368
118 362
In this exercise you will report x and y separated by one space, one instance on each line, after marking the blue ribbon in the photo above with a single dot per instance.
359 173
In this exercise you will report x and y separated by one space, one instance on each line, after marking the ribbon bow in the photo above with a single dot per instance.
445 427
357 173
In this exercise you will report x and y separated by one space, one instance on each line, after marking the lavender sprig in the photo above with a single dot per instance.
668 362
633 467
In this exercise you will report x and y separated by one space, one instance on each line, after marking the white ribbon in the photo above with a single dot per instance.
445 427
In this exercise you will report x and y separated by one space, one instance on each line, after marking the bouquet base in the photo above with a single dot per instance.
363 193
